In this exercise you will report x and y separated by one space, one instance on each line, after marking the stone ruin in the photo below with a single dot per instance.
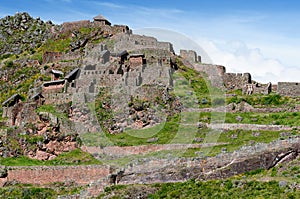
289 89
128 77
190 56
256 88
149 62
132 42
235 81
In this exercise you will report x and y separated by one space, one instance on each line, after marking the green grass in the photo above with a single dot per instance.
281 118
126 160
230 188
165 133
225 140
289 172
25 76
244 138
273 100
27 191
32 139
183 129
188 79
58 45
53 110
20 161
75 157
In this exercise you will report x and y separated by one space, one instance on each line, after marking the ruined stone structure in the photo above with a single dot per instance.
81 175
131 42
54 57
130 76
56 74
125 76
121 29
235 81
136 60
190 56
103 68
18 112
289 88
216 73
11 107
99 19
38 98
51 57
146 171
257 88
54 86
121 57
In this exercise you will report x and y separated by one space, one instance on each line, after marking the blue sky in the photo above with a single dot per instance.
256 36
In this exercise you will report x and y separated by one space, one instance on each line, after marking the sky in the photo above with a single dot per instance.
257 36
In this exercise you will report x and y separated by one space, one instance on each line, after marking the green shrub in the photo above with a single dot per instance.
5 56
9 64
210 189
272 100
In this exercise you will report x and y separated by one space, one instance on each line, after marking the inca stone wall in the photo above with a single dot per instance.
235 81
132 42
260 156
57 98
42 175
289 88
96 74
121 29
52 57
216 73
190 55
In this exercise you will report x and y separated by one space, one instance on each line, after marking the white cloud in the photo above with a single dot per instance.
109 5
159 11
236 56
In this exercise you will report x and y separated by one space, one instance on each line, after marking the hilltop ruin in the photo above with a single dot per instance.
102 80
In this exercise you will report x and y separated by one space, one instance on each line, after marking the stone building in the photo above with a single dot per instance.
11 107
56 74
121 56
104 56
72 75
56 86
102 21
70 80
38 98
234 81
136 60
257 88
132 42
121 29
289 89
190 56
51 57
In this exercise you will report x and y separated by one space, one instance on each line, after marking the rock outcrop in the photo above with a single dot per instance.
21 32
